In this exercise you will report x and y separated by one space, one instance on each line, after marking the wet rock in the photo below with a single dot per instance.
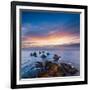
52 71
68 69
48 64
39 65
39 52
35 54
43 74
57 70
43 56
48 54
56 57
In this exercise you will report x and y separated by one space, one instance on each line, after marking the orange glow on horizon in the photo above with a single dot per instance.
50 40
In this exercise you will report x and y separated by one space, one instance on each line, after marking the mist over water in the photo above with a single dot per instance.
70 55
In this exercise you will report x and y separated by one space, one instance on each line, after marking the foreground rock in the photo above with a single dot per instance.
53 70
57 70
68 69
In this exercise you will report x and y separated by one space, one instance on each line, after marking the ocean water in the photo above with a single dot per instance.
28 69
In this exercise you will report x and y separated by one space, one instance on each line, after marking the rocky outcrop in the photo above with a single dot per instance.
56 57
57 70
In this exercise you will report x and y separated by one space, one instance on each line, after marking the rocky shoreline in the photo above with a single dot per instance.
47 68
57 70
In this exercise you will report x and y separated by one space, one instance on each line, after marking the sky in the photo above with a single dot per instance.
43 28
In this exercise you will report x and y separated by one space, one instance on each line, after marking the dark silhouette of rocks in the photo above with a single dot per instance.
48 64
34 54
43 56
56 57
57 70
39 52
69 69
48 54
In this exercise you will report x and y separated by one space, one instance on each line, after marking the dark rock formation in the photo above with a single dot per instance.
48 54
39 52
68 69
35 54
56 57
57 70
43 56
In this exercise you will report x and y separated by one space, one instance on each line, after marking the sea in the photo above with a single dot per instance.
27 65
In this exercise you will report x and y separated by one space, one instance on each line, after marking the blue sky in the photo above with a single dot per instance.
38 24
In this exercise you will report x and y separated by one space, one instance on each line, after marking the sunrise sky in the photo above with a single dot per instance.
40 29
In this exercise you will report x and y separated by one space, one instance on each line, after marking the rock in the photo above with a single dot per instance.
39 52
43 74
56 70
56 57
35 54
43 56
52 71
68 69
48 54
39 65
48 64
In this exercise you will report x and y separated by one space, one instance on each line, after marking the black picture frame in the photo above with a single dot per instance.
14 4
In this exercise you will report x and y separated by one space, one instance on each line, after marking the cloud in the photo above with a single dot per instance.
42 29
59 38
